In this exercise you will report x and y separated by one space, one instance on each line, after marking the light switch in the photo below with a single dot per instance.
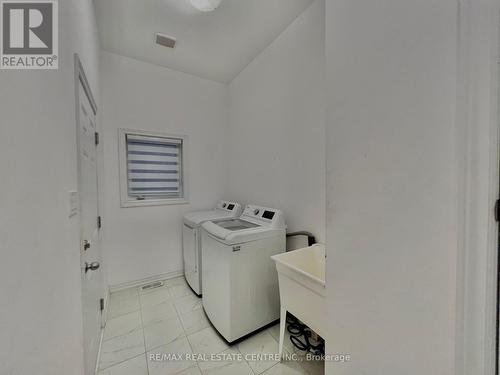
73 203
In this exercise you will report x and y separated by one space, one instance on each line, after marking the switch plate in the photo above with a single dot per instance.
73 203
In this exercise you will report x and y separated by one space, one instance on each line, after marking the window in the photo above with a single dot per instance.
152 168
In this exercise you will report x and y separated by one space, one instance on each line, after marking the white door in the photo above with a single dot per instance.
90 253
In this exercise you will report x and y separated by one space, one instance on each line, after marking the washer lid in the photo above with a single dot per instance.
223 210
235 234
255 223
195 219
236 224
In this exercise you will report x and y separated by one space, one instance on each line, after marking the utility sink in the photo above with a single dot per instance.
301 275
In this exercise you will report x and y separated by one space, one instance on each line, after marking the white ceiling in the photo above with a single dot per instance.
215 45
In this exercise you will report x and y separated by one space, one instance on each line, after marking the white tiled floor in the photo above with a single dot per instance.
171 319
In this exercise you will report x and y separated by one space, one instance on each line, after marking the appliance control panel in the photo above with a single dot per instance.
229 206
266 214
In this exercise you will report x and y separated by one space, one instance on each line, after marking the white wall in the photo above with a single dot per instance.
392 175
477 119
279 95
276 135
40 318
141 242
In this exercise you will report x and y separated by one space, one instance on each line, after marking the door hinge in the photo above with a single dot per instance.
101 304
99 222
96 135
497 210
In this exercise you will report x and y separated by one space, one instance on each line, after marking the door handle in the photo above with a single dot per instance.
86 245
91 266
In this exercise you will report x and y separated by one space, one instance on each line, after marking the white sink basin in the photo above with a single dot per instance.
301 275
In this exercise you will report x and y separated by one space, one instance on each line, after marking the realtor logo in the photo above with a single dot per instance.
29 34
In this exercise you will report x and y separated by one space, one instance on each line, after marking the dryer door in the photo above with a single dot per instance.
190 253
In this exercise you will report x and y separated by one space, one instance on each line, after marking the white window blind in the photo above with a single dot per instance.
154 167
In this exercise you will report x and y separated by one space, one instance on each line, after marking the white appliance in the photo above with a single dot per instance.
240 282
191 239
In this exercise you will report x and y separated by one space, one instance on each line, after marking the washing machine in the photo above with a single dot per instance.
240 282
191 239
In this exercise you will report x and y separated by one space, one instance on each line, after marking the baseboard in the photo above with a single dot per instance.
136 283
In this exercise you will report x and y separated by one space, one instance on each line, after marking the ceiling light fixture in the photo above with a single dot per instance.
206 5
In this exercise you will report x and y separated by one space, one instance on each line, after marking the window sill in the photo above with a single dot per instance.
153 202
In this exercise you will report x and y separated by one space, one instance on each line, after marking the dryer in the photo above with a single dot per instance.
191 239
240 282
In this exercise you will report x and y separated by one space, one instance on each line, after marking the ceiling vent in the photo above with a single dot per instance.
165 40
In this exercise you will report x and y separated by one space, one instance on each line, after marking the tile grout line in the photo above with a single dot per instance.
186 335
128 359
122 314
119 316
179 317
284 349
171 299
276 364
248 364
142 326
179 313
235 347
119 363
192 351
167 319
244 359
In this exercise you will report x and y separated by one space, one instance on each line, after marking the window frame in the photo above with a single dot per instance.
125 199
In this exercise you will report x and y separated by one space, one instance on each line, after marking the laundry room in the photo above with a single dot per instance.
247 187
237 127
